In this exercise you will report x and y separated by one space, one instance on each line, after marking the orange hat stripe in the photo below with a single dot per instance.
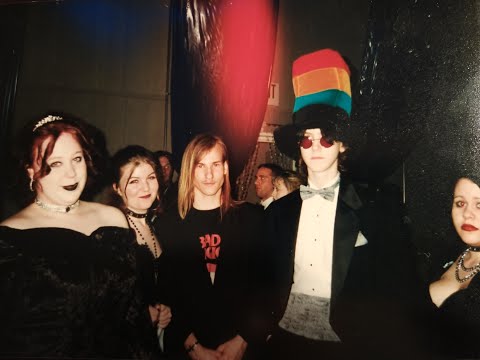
320 80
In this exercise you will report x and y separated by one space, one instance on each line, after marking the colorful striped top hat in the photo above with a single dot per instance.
323 99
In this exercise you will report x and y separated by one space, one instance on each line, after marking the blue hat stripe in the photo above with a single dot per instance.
335 98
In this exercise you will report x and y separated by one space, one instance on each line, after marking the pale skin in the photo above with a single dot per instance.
68 169
322 163
279 190
209 175
138 188
466 220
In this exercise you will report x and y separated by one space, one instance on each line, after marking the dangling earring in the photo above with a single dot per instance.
31 185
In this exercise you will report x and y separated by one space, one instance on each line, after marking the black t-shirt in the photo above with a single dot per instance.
205 243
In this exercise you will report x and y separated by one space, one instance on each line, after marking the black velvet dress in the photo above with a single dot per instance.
458 323
65 294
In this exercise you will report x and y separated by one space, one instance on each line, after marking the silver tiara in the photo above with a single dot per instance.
46 120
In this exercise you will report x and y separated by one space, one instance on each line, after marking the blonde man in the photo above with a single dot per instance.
214 246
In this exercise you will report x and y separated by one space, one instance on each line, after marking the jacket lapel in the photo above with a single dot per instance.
346 228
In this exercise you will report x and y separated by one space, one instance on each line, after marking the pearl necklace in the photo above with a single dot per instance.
471 270
56 208
154 242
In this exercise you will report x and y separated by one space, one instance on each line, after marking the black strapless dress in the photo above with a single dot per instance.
67 294
459 322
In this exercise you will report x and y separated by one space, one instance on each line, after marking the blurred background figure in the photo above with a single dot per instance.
67 280
137 179
264 177
169 191
286 182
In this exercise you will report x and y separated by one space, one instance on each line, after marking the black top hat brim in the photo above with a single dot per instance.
331 120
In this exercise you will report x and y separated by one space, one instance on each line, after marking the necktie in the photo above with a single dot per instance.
327 193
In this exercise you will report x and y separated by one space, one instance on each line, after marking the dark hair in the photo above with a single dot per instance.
134 154
162 153
49 128
274 168
331 134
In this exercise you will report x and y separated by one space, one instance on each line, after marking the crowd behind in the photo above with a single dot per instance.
179 269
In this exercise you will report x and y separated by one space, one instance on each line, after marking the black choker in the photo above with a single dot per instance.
474 248
56 208
135 215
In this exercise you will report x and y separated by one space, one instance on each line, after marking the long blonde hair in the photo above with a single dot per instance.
195 151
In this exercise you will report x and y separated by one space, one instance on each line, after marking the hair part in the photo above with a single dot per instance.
195 151
133 155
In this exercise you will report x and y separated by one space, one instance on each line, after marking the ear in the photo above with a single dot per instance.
116 189
225 168
30 172
342 148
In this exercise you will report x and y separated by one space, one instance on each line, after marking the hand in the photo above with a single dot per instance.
202 353
164 315
233 349
154 314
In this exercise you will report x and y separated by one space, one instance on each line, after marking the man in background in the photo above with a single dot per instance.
266 174
168 195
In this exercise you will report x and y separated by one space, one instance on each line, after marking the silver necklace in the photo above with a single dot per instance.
471 270
57 208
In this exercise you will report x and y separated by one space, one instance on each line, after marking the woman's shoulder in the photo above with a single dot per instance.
106 215
19 220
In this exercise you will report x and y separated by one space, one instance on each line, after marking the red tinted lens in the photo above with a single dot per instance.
325 143
306 142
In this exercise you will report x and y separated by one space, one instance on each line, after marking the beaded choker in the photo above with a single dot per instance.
57 208
134 214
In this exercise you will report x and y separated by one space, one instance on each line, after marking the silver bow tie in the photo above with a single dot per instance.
327 193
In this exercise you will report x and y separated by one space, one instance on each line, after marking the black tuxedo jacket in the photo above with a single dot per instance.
368 281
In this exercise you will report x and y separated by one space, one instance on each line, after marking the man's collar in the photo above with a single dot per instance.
266 202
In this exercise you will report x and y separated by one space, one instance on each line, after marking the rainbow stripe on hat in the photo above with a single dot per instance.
322 77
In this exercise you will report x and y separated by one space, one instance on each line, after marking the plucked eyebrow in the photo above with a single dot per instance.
463 197
79 152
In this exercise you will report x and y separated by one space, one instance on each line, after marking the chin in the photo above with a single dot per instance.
471 241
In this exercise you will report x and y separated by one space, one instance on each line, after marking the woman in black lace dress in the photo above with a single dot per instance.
67 266
456 294
136 182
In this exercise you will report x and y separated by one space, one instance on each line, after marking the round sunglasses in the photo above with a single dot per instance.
306 142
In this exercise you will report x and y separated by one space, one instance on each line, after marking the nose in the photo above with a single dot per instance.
70 170
208 172
145 186
316 144
468 212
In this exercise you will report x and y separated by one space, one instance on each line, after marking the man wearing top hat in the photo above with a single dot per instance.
325 293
